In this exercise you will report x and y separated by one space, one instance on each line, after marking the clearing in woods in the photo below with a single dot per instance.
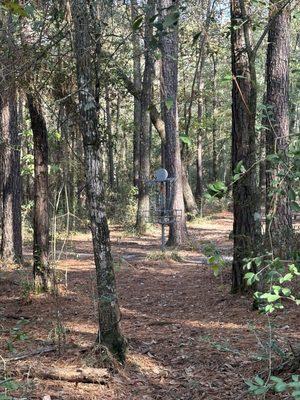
188 337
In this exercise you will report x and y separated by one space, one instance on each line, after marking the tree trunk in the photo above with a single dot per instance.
146 97
214 122
246 226
109 312
188 196
110 144
41 268
11 246
169 82
262 155
199 168
279 226
137 82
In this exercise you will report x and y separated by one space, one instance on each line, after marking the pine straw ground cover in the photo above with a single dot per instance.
188 337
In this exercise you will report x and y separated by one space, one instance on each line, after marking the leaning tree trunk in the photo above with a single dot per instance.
41 267
169 82
109 312
279 221
146 97
246 226
11 246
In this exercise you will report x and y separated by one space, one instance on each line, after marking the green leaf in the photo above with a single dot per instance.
169 103
276 289
216 269
295 206
270 297
286 291
259 381
239 168
280 387
137 23
185 139
269 308
227 78
276 379
286 278
196 37
274 158
261 390
171 19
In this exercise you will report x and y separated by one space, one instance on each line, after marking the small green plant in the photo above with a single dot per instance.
8 385
276 275
17 334
214 258
257 386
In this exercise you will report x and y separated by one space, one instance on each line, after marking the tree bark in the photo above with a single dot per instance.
262 155
279 223
108 311
41 267
110 144
246 210
169 83
137 82
199 168
11 246
146 97
214 122
188 196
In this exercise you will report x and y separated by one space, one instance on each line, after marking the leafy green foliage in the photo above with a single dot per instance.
214 258
15 8
257 386
17 334
217 189
185 139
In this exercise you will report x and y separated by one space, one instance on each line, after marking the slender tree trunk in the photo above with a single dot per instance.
246 226
41 267
169 82
146 97
137 82
214 121
11 246
110 144
279 226
109 312
199 167
262 155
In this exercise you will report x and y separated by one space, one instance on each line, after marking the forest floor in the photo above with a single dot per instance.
188 336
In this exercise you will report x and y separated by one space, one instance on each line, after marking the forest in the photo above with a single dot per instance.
149 199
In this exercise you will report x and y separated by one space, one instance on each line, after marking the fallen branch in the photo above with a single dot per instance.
79 375
37 352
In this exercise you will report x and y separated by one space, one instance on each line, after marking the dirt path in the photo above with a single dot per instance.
189 338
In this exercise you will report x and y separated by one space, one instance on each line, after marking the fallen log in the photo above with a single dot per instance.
76 375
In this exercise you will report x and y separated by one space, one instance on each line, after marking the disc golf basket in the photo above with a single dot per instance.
161 195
